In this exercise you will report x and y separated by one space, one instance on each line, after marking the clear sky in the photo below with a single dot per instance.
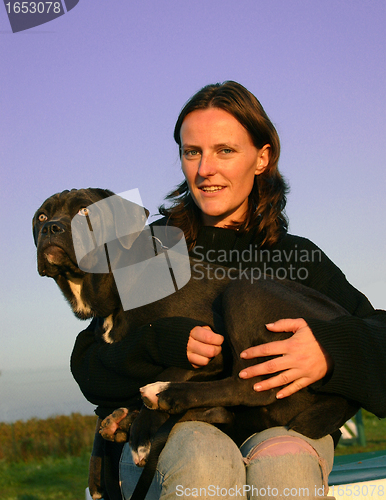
90 99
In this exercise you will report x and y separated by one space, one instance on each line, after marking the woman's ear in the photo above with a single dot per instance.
263 159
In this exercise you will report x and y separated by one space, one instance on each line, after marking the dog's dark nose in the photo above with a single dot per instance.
53 227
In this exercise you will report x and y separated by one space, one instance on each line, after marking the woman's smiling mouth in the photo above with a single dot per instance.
211 189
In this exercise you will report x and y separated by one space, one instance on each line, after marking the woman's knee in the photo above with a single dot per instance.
199 459
283 459
200 445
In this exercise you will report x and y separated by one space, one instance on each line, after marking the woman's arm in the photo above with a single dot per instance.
110 374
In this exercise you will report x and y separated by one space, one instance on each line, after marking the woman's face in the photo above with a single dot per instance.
219 162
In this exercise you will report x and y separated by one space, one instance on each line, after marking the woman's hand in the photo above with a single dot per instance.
203 345
302 359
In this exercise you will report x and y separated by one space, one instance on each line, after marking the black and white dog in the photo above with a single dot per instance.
239 309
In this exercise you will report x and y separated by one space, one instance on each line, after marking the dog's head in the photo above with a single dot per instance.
51 226
70 231
60 249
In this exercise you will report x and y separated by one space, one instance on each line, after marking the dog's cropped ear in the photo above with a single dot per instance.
130 219
106 222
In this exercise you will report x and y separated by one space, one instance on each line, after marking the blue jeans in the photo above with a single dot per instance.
202 462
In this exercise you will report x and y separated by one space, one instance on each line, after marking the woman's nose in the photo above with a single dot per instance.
207 166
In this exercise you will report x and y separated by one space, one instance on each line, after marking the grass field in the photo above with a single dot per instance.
375 432
48 459
60 478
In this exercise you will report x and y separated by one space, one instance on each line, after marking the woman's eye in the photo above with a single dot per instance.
42 217
191 152
227 150
84 212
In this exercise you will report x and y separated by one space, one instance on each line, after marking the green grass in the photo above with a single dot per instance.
61 471
54 437
50 478
46 459
375 432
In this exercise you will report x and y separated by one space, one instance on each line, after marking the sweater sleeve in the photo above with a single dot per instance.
100 383
111 374
172 338
356 343
163 343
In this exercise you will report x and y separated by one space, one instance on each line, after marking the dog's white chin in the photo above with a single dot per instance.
80 308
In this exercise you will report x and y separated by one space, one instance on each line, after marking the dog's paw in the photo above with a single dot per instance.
165 396
142 433
116 426
140 454
150 392
174 397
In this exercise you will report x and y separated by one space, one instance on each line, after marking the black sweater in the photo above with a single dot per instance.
110 375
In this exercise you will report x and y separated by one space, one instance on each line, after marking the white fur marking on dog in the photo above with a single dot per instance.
150 393
140 456
108 326
79 306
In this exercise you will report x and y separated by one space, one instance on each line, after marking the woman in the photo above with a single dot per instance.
232 201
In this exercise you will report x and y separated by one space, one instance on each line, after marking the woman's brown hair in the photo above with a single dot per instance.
267 199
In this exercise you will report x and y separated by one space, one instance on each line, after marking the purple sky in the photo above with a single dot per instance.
90 99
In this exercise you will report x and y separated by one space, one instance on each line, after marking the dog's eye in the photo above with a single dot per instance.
42 217
84 212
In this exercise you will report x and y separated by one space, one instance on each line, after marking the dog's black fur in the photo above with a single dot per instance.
237 308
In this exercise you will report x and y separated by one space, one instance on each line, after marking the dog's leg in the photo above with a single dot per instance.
142 433
176 397
95 474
